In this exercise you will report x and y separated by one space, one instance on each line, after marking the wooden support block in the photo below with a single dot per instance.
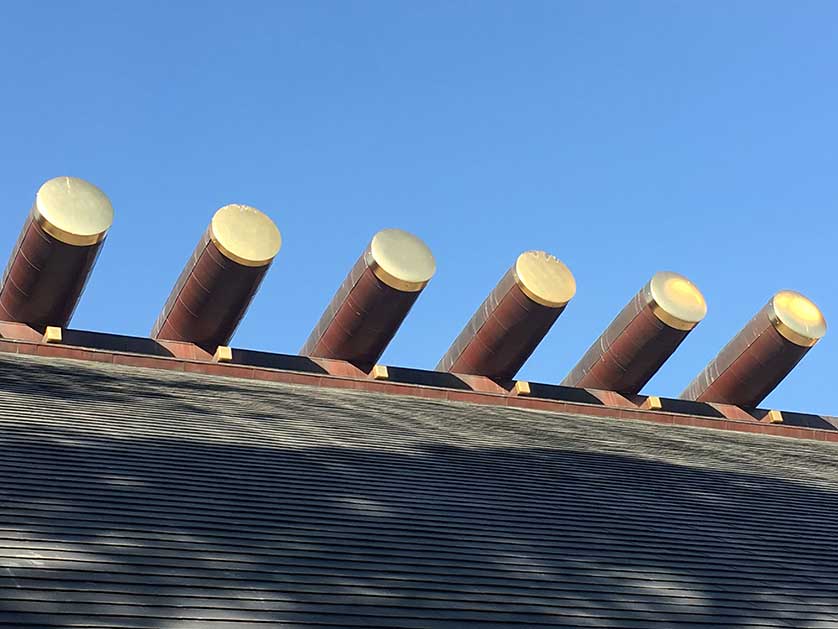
380 372
521 388
652 403
773 417
223 354
52 334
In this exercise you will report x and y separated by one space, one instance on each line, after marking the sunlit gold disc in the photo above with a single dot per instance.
401 260
73 211
676 301
545 279
245 235
797 318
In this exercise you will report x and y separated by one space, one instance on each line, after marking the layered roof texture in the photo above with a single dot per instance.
147 498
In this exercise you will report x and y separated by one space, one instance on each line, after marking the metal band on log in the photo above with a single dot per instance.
513 319
55 253
220 279
373 300
762 354
642 337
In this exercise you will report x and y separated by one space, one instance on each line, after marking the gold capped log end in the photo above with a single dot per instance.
52 334
652 403
245 235
522 388
675 300
797 318
73 211
401 260
545 279
380 372
223 354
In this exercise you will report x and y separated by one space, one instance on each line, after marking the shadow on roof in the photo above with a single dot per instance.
170 504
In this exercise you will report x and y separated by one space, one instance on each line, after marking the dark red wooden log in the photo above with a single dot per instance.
513 319
762 354
55 253
640 339
220 279
373 300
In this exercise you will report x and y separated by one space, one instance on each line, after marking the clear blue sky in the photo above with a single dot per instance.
624 137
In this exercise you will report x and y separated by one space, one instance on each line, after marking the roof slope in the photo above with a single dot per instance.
138 498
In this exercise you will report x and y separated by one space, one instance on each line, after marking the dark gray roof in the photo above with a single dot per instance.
139 498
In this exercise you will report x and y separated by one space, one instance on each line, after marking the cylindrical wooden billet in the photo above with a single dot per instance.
373 300
640 339
513 319
220 279
55 253
762 354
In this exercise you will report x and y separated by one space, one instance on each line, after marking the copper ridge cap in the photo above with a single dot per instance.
525 396
245 235
73 211
675 300
400 260
797 318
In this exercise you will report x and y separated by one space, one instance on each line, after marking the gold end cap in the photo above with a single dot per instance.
401 260
545 279
774 417
245 235
652 403
380 372
522 388
52 334
223 354
73 211
675 300
797 318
